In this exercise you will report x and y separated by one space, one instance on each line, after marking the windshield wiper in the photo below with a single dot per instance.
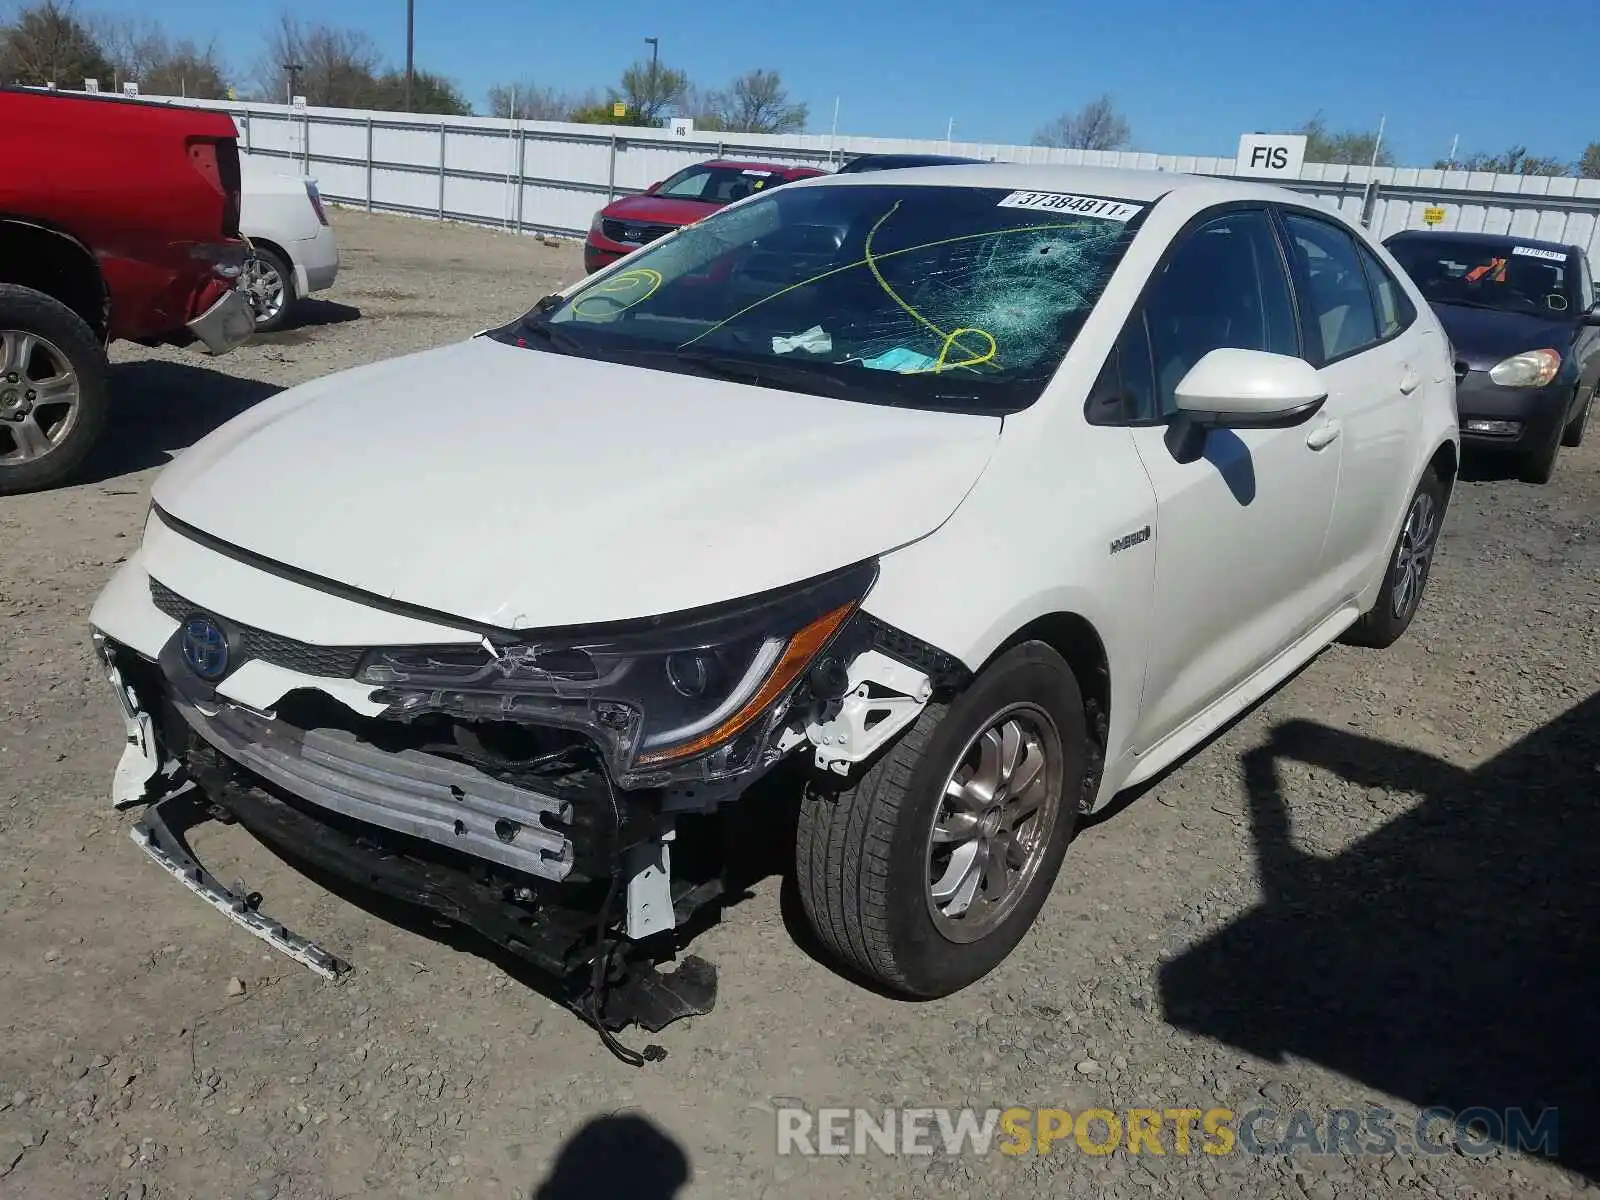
809 379
1460 303
557 339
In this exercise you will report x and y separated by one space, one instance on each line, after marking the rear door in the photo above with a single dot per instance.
1362 333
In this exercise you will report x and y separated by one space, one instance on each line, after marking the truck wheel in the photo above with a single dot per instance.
1409 567
54 384
269 283
926 871
1572 435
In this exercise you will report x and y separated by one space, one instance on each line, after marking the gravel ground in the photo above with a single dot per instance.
1379 888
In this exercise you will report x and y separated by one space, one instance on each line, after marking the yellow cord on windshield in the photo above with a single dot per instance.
947 340
861 262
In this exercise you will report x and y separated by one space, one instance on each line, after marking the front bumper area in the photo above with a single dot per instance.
1495 417
226 325
546 874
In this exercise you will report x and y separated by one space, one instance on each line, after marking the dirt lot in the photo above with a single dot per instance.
1381 888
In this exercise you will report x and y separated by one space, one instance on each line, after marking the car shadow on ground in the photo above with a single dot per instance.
159 408
305 318
624 1156
1450 958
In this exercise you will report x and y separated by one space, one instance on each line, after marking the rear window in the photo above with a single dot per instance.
957 297
1510 276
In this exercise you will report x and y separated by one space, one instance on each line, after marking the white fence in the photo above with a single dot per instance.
548 177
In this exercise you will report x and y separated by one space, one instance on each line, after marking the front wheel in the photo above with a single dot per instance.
1409 567
928 870
1572 435
54 390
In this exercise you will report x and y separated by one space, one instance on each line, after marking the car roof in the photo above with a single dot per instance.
918 160
1482 239
1120 183
740 164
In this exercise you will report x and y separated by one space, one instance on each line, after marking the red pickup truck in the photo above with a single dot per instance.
118 219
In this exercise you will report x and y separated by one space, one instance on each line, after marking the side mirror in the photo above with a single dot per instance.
1231 388
1592 317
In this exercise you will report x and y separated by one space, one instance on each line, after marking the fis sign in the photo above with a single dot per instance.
1271 155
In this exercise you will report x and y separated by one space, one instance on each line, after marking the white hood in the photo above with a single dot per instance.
521 488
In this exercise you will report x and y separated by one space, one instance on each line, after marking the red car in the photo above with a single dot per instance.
118 219
681 199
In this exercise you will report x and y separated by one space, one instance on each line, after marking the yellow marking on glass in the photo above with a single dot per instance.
619 284
861 262
947 340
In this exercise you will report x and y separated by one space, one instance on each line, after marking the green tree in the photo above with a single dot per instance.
430 93
47 43
603 112
1515 161
1348 147
649 89
1589 164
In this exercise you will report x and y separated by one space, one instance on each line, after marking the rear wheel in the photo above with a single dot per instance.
269 284
53 390
1409 567
928 870
1572 435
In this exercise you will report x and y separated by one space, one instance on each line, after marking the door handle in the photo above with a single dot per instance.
1410 380
1323 435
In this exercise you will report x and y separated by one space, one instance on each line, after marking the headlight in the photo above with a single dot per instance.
695 695
1533 368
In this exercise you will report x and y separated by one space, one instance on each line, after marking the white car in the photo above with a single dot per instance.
292 249
975 496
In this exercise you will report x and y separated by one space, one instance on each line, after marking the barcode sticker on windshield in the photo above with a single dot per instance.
752 171
1534 252
1083 206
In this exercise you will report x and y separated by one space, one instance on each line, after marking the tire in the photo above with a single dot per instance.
269 283
46 429
1539 464
1572 435
1390 617
864 856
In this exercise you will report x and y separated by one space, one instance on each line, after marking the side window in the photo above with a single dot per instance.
1395 311
1126 389
1340 302
1224 286
1586 296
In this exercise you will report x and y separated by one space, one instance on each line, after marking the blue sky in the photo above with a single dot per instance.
1190 75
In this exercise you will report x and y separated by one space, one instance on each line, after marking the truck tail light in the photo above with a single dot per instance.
217 162
316 202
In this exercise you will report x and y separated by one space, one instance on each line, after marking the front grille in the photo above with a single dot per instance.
328 662
633 233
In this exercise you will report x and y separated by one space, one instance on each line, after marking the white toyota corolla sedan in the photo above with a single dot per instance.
973 495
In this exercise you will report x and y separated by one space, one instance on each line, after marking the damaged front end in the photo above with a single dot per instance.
531 787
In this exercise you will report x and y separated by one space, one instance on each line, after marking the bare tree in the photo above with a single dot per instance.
756 102
650 89
339 67
1096 126
139 50
527 101
48 43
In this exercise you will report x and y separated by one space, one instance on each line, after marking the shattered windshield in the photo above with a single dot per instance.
916 295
